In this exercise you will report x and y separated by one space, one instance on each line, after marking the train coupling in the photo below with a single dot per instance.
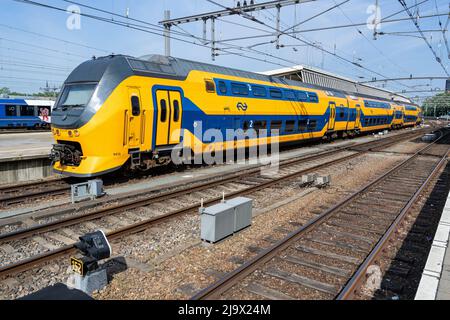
66 154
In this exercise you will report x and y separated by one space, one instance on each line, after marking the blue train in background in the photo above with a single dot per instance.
25 113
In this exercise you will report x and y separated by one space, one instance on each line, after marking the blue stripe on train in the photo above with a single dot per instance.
193 114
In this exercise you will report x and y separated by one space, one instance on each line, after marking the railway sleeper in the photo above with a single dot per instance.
344 225
340 244
301 280
327 254
317 266
267 292
331 231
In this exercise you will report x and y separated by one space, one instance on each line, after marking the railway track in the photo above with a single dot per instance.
11 195
329 256
186 200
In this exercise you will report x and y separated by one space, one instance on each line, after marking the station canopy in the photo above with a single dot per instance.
318 77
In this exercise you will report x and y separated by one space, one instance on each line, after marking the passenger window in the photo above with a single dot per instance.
289 95
275 93
163 116
301 96
135 106
302 124
239 89
176 111
222 87
246 125
275 125
260 125
312 125
210 87
11 111
290 125
313 97
26 111
259 91
342 114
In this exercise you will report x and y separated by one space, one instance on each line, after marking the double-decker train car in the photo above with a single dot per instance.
413 115
120 111
25 113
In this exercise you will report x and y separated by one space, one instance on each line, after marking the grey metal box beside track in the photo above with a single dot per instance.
217 222
242 212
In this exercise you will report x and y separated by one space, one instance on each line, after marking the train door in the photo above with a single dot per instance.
332 106
175 117
133 123
358 116
169 112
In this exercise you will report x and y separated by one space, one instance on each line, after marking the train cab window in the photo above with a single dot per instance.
27 111
163 115
275 125
275 93
135 106
239 89
259 91
312 125
11 111
176 111
222 87
210 87
290 126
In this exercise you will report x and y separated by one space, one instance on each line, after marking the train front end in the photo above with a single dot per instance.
85 119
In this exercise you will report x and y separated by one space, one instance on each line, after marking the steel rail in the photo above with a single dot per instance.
350 289
222 285
9 197
28 263
34 230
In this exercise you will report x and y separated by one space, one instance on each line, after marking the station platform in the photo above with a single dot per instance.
24 156
435 281
25 145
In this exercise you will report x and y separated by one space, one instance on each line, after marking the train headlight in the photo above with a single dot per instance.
57 132
76 133
70 133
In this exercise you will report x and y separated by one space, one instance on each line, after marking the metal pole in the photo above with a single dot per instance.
213 39
167 33
278 26
204 30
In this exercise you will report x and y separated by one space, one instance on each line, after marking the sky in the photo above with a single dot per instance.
40 45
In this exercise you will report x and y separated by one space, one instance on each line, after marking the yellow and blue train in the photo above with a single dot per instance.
120 111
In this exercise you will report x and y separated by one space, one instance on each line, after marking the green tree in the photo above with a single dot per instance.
437 105
5 90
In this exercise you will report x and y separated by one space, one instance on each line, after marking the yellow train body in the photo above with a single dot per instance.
144 117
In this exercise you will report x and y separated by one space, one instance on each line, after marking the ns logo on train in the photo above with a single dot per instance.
242 106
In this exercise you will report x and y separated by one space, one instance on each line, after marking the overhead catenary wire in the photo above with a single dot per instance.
416 24
53 38
252 18
143 29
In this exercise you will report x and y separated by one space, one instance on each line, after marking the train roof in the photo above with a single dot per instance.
31 102
118 67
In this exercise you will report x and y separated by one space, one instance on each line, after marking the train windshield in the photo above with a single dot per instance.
76 95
